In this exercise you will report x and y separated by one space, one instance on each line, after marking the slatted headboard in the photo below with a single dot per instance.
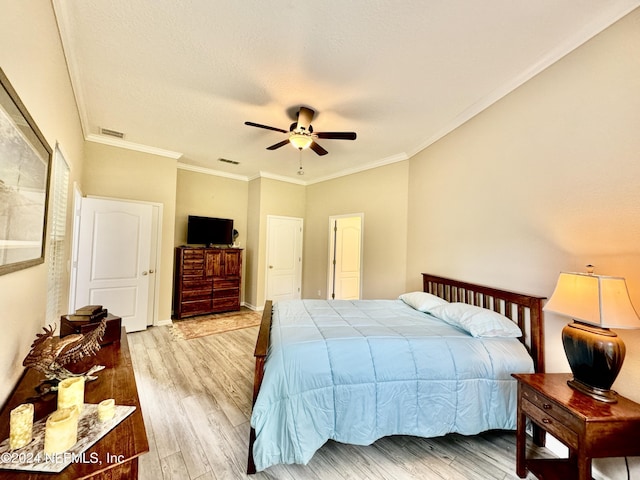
525 310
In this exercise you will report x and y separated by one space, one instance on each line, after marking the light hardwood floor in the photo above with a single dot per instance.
196 403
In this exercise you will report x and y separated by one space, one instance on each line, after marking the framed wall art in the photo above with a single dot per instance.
25 165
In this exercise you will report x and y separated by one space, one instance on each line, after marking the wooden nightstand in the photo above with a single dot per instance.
591 429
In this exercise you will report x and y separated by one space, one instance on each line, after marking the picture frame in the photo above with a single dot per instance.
25 170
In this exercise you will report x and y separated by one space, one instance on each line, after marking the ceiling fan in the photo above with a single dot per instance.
301 134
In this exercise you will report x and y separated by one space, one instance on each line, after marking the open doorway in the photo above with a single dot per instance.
345 256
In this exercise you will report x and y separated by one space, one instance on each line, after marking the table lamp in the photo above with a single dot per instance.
595 353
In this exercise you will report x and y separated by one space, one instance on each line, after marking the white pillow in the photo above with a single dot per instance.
422 301
478 321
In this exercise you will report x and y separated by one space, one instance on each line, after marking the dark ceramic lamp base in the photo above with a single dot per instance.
595 356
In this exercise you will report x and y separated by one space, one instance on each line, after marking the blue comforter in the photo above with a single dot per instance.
356 371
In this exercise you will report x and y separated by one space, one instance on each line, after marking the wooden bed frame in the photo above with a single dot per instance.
525 310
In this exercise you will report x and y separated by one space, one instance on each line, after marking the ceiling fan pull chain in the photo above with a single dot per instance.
300 170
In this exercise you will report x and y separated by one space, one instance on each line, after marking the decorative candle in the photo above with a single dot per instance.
21 426
61 430
71 392
106 409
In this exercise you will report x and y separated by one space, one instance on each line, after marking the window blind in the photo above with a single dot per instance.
57 238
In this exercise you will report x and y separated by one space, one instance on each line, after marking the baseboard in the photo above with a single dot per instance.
253 307
163 323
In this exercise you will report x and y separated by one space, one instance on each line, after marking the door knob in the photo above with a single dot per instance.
145 272
270 266
151 271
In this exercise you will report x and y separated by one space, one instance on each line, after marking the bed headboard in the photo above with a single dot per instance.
525 310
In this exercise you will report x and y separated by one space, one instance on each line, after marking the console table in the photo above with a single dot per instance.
119 449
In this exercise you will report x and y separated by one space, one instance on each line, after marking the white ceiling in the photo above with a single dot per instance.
181 77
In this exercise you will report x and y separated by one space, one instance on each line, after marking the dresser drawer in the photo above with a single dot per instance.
188 295
193 269
227 293
196 284
226 304
193 254
225 284
196 307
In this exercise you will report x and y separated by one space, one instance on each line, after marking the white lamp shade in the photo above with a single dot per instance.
594 299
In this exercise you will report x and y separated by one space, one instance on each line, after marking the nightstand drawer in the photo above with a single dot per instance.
555 426
551 408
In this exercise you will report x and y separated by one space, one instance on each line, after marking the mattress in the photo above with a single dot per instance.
356 371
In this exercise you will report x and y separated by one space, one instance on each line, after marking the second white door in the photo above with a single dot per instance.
284 258
345 257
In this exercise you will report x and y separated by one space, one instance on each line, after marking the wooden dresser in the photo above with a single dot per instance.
118 451
207 280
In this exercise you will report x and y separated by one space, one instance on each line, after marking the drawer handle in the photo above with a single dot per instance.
546 406
546 421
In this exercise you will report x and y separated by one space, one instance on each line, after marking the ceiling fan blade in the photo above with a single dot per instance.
278 145
318 149
251 124
337 135
305 115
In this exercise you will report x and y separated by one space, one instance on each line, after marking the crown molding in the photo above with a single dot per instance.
115 142
281 178
272 176
400 157
562 50
210 171
243 178
68 50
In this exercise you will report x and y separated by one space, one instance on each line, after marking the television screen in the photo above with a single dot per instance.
209 231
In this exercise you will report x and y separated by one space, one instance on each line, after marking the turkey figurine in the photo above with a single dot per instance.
50 354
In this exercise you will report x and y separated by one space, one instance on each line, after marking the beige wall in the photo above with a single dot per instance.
381 194
253 245
31 57
211 196
126 174
547 179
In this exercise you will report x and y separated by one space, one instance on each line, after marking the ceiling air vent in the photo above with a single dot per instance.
226 160
111 133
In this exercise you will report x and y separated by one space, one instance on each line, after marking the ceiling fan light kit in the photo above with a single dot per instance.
300 141
301 134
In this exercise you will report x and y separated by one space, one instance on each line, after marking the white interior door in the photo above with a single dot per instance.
113 259
284 258
345 266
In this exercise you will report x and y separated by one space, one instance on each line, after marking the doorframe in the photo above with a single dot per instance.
75 245
330 270
155 252
266 264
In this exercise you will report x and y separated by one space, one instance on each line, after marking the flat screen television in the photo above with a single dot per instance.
209 231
